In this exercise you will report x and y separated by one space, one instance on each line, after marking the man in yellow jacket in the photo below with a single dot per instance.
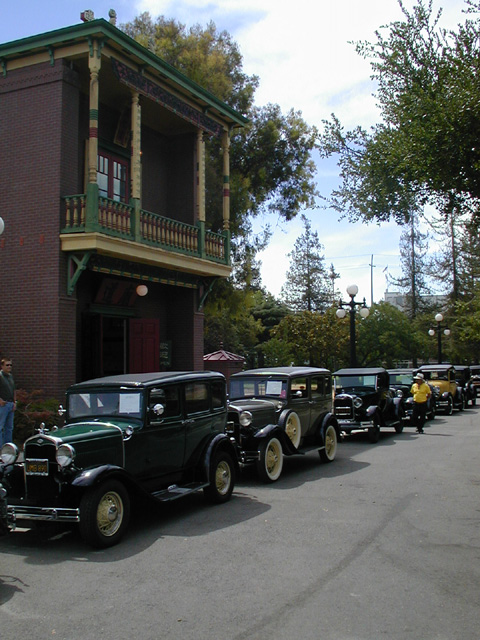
421 393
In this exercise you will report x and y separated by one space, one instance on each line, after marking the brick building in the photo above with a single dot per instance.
108 251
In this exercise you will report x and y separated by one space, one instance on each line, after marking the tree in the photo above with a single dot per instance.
270 159
307 286
414 262
426 149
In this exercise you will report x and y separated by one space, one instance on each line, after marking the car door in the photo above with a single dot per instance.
300 401
156 453
321 398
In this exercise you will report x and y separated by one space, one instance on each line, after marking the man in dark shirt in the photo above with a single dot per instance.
8 402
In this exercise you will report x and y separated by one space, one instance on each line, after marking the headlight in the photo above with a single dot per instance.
357 402
65 455
245 418
9 453
399 393
436 391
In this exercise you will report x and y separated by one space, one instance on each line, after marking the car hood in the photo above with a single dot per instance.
263 411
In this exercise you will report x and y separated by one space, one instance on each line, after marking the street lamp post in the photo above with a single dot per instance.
446 331
352 291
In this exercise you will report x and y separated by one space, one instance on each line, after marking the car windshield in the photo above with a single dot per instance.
401 378
256 387
355 382
94 404
435 375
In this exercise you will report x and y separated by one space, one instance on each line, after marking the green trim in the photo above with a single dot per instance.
101 29
51 53
105 310
206 291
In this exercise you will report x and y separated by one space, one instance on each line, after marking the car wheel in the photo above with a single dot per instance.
293 428
222 479
449 407
104 514
270 464
330 451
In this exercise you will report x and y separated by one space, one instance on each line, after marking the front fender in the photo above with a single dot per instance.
371 411
89 477
328 419
274 431
221 442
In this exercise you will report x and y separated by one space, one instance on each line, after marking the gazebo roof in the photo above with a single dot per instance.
221 354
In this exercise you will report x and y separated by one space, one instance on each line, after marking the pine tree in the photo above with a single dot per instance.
307 287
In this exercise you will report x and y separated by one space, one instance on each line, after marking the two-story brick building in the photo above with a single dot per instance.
107 254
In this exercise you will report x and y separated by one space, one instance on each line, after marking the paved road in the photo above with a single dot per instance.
382 543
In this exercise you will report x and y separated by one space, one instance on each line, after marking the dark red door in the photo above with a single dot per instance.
144 345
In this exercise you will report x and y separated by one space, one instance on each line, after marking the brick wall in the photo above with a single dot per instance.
38 164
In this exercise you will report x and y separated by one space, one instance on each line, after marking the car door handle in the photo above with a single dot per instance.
186 423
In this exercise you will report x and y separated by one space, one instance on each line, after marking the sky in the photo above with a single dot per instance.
303 54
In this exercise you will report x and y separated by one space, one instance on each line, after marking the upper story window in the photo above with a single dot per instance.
112 177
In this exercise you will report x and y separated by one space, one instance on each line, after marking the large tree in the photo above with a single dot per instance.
271 163
425 148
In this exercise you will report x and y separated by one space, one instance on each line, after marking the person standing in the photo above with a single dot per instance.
421 393
8 401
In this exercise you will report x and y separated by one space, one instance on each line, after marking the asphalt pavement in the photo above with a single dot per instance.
381 543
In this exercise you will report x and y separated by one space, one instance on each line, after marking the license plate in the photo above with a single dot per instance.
36 467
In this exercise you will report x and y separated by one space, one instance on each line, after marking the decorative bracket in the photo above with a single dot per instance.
75 268
207 289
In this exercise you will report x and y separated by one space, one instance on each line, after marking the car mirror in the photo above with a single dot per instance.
158 409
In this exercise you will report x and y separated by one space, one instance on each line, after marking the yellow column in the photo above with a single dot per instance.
136 147
91 206
226 180
200 176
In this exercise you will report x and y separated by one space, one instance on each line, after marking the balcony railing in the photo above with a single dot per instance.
118 219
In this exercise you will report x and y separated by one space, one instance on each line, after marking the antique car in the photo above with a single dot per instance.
281 410
364 401
402 380
448 393
463 376
475 379
158 435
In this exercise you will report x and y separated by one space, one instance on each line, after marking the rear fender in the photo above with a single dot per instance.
328 419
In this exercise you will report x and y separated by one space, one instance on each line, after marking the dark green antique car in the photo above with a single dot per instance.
157 434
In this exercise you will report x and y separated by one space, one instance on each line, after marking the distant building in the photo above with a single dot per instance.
400 300
108 252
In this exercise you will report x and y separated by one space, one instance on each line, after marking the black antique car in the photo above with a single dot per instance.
463 376
281 410
475 379
364 401
159 435
402 380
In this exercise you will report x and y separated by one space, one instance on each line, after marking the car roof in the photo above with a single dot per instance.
435 367
281 371
360 371
401 370
140 380
461 367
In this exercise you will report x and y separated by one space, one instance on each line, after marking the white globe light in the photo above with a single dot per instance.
446 332
352 290
142 290
431 332
438 317
2 226
364 312
341 313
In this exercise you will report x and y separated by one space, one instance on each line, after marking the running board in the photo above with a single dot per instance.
174 491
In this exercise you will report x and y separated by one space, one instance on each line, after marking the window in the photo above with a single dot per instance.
169 397
298 388
196 397
218 395
112 177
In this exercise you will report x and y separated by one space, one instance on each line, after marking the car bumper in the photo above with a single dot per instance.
44 514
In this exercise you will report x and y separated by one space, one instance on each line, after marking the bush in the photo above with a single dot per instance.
32 410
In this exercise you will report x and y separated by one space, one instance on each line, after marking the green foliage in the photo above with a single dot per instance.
426 149
33 409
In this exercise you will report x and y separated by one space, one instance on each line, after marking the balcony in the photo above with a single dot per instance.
120 230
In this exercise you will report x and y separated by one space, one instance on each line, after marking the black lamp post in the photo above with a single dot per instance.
352 291
446 331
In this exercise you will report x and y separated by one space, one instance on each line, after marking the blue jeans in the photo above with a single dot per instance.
6 423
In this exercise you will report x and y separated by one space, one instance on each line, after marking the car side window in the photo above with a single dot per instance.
169 397
196 397
218 394
298 388
317 385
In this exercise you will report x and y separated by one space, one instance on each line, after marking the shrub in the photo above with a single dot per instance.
32 410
